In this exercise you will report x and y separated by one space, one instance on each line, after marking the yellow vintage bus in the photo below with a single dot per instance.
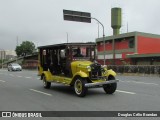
74 64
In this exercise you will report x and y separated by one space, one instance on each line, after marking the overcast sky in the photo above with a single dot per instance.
41 21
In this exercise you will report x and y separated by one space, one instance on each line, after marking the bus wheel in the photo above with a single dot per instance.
110 88
79 87
46 84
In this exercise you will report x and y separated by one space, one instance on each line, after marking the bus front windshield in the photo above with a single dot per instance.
83 53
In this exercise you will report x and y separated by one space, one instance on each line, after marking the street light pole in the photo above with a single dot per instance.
2 55
69 15
104 47
1 60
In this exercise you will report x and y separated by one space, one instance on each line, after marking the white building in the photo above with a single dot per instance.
2 54
7 54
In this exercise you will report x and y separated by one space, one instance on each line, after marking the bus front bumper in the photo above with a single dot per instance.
99 84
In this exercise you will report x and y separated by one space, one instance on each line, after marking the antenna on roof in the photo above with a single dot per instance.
67 36
127 27
17 41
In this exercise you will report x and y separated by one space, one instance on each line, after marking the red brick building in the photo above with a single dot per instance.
130 48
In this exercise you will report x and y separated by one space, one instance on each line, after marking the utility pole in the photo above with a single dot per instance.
1 60
67 36
17 45
17 41
98 29
127 27
2 56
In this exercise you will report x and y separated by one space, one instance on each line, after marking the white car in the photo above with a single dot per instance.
14 67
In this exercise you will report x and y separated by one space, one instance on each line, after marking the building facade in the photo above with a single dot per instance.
7 54
134 48
10 54
2 54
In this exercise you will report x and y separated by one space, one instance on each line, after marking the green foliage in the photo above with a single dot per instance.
26 48
3 60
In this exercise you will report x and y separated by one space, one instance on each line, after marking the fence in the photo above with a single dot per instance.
30 64
139 69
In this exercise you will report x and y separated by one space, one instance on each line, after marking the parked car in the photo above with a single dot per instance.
14 67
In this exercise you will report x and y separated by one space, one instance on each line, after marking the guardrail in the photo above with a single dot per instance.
139 69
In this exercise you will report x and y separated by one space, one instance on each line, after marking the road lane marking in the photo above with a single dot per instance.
40 92
11 74
28 77
124 81
139 82
126 92
35 73
2 81
19 76
2 70
146 83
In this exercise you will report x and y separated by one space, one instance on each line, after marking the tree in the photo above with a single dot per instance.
26 48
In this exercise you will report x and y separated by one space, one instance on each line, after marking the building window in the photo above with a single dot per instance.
118 40
108 42
131 42
100 43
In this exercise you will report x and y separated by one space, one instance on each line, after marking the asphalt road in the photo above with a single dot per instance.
23 91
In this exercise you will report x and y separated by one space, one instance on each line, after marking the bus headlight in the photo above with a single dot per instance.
88 68
104 67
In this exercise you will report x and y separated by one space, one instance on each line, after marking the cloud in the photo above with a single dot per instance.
41 21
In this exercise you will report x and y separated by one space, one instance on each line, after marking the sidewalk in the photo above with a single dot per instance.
139 74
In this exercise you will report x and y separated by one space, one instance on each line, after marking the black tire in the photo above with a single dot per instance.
110 88
46 84
79 87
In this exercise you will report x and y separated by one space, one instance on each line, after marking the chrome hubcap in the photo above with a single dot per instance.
78 86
